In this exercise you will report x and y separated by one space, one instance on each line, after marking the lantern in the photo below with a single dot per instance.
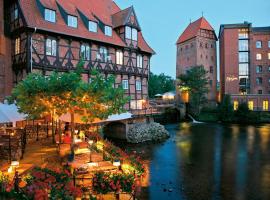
185 96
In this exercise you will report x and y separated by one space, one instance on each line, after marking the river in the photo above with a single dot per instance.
208 161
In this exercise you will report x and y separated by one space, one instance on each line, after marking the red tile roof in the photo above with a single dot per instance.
103 10
192 30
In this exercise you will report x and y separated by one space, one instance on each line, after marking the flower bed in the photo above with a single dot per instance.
104 183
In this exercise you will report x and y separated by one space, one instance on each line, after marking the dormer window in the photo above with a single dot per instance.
108 30
92 26
72 21
131 33
49 15
128 33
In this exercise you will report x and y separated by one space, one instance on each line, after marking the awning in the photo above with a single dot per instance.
77 118
10 114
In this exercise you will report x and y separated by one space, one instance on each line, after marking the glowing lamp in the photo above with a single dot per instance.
92 164
15 163
90 142
116 163
10 169
185 96
76 131
100 145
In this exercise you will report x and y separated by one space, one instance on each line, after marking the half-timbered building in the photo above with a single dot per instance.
52 35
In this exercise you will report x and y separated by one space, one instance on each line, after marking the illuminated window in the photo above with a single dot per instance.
235 105
119 57
92 26
250 105
72 21
243 33
51 47
108 31
17 45
265 105
125 84
138 85
258 56
139 61
268 56
50 15
258 44
85 52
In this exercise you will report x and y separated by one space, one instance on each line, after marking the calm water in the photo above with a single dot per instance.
208 161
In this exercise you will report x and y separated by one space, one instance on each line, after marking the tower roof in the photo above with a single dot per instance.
192 30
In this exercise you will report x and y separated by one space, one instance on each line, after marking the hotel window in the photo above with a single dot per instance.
243 45
108 31
211 69
92 26
259 91
235 105
250 105
103 52
138 85
49 15
72 21
265 105
139 61
210 83
243 56
258 56
243 33
259 80
258 44
51 47
125 84
268 56
17 45
119 57
258 69
243 69
85 52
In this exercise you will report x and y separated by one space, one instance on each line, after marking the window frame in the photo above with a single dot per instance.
17 46
96 26
139 60
258 44
83 50
119 57
108 30
50 49
71 20
125 84
138 85
50 17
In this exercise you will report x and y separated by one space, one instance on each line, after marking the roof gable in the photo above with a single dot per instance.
193 29
126 17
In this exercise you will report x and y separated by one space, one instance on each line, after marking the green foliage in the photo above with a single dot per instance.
244 115
196 81
159 84
62 93
226 110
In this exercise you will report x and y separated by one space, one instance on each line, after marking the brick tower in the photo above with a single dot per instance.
197 46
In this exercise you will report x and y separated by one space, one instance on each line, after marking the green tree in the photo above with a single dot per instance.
62 93
225 110
195 81
159 84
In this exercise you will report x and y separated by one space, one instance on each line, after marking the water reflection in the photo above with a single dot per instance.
209 161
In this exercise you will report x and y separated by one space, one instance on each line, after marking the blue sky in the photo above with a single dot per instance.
162 21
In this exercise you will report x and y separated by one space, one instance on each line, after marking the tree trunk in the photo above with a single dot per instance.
72 131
